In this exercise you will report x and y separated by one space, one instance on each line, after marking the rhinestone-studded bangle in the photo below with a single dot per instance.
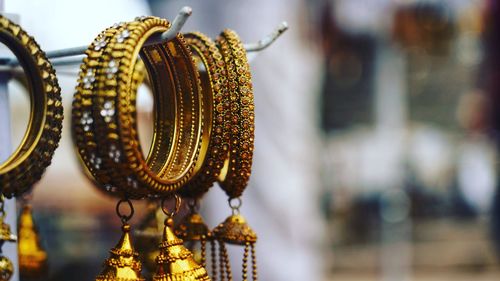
83 113
121 165
215 144
29 161
236 172
95 117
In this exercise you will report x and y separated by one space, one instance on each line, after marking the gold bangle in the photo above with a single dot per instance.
82 121
184 157
92 136
29 161
82 124
112 107
236 172
215 144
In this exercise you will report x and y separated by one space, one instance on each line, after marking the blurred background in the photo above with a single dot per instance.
376 137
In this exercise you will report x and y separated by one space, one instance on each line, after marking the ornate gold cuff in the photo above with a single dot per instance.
28 162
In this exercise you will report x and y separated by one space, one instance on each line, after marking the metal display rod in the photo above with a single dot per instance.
168 35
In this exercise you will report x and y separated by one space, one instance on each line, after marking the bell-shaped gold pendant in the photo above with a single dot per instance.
235 230
6 266
123 263
176 262
195 233
193 228
149 235
32 257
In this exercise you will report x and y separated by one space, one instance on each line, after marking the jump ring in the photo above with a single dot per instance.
177 206
235 207
125 218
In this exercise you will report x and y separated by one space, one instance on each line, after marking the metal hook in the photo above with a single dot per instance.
268 40
176 27
177 24
7 64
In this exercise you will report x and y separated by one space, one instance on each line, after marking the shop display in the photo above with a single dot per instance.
203 133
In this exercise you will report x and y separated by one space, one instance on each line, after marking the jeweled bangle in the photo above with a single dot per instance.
83 115
121 165
236 172
29 161
83 120
215 144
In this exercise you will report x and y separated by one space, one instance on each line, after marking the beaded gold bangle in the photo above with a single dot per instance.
236 172
215 143
29 161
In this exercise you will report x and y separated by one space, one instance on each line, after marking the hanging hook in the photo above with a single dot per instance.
177 24
268 40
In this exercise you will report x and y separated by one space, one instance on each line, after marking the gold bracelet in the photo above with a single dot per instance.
111 105
82 121
185 157
215 144
185 87
84 115
29 161
236 172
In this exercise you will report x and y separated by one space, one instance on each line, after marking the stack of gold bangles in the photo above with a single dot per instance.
203 132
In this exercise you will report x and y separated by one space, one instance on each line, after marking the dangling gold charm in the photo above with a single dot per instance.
6 266
32 257
192 230
149 235
123 263
175 262
235 230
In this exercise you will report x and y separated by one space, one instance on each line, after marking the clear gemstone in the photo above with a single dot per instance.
110 188
118 24
95 161
112 68
108 111
88 79
122 36
132 182
114 153
86 121
99 44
